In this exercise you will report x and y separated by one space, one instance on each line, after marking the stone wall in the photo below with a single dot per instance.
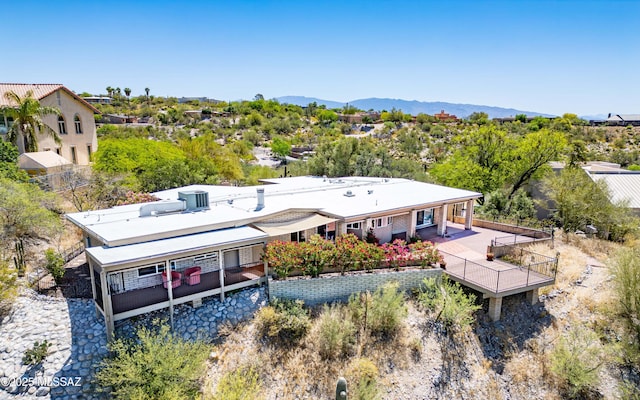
326 289
507 228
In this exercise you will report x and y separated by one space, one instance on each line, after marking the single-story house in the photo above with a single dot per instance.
211 238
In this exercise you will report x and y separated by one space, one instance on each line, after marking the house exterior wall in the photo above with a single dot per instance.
69 108
339 288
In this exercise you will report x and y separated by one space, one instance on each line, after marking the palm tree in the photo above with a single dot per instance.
146 90
110 91
27 116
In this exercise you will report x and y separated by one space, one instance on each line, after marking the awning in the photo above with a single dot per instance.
283 228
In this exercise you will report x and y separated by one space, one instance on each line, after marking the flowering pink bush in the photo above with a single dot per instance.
346 253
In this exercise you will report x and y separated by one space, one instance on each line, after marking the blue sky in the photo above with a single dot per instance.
545 56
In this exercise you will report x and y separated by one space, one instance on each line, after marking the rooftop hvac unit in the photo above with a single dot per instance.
195 200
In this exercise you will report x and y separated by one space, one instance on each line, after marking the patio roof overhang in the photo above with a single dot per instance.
283 228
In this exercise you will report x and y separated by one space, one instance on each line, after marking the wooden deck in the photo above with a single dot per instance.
497 279
465 256
139 298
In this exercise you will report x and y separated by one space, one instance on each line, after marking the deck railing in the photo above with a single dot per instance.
498 280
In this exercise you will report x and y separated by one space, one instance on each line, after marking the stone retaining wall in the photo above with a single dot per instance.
327 289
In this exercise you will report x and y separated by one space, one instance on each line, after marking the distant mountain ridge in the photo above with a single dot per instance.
413 107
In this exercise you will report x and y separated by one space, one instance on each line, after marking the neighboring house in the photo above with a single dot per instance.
357 118
98 99
624 185
443 116
218 233
623 119
118 119
76 125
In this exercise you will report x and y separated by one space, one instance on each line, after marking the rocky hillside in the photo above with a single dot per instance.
509 359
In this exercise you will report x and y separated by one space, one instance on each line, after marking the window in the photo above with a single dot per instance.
62 127
58 150
150 270
297 236
89 152
389 220
77 124
353 225
208 256
74 157
424 217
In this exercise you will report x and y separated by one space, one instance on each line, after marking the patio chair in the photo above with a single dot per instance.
176 279
193 275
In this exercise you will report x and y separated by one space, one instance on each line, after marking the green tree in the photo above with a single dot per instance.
626 280
26 211
27 114
280 147
532 155
479 118
9 163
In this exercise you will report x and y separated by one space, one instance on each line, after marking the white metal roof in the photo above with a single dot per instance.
623 186
42 159
236 206
107 256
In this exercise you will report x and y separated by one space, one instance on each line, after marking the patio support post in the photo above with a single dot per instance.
167 268
93 285
468 216
495 306
532 296
442 221
108 308
221 272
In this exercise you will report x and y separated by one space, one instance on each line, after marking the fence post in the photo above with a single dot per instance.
528 273
464 270
498 282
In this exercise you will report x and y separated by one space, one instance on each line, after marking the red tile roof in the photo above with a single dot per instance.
40 91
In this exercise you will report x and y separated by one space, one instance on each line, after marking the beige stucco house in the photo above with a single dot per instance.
76 124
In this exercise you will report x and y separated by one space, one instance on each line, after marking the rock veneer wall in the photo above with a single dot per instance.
326 289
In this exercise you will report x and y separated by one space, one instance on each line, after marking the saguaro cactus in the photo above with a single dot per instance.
19 259
341 389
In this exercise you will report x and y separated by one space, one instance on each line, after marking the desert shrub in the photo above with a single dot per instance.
157 365
242 383
55 265
362 376
452 306
626 279
283 322
8 285
37 353
575 361
336 333
383 313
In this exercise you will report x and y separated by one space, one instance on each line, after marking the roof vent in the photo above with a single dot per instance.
195 200
349 193
260 195
370 191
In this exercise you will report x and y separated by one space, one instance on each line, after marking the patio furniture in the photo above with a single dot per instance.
176 279
193 275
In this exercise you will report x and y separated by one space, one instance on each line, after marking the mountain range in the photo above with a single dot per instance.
413 107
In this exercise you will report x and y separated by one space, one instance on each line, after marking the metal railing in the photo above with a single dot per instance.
72 252
533 236
497 280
